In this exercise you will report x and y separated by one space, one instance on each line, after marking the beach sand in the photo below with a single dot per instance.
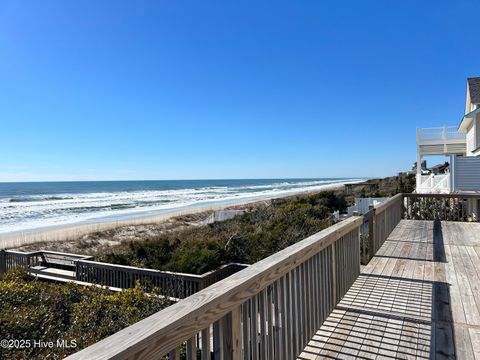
90 238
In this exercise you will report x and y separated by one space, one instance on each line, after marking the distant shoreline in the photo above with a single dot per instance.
75 231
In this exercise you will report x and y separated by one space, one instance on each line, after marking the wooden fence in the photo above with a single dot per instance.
172 284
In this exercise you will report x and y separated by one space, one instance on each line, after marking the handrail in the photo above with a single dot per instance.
158 334
441 196
134 268
79 256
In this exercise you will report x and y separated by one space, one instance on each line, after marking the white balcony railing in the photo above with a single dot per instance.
440 135
433 184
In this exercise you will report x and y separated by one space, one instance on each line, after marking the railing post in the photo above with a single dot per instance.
371 233
3 264
232 336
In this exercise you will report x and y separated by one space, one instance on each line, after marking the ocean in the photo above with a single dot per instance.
27 206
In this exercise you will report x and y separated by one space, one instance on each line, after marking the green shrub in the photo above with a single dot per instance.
37 310
247 238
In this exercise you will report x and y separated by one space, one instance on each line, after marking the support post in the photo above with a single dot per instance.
229 341
371 233
232 338
3 261
419 156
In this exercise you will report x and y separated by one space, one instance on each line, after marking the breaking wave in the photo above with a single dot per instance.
22 209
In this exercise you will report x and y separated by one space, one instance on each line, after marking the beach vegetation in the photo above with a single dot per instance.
250 237
68 315
247 238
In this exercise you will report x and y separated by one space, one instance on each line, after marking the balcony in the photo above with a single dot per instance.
414 299
445 140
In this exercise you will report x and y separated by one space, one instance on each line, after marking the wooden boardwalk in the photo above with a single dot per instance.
418 298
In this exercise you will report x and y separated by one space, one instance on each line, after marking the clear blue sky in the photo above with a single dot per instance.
223 89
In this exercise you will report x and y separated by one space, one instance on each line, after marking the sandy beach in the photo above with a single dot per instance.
88 237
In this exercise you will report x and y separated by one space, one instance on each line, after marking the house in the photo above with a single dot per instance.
461 143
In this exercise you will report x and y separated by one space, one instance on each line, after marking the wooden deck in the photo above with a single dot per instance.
418 298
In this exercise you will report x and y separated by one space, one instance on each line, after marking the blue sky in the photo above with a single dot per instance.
97 90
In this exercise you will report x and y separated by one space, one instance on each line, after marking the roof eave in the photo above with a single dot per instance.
467 120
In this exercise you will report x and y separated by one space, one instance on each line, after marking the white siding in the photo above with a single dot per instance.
471 143
473 138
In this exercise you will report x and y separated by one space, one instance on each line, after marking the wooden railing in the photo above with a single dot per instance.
384 218
175 285
60 259
449 207
10 259
269 310
221 273
172 284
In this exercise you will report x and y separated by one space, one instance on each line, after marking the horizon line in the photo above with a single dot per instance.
193 179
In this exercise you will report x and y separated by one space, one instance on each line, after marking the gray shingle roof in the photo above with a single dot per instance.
474 86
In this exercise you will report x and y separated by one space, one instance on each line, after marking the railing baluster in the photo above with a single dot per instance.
192 348
206 354
282 321
254 326
231 333
174 355
290 309
236 333
246 330
297 309
218 340
270 310
263 342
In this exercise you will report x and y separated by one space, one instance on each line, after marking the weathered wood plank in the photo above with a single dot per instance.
417 299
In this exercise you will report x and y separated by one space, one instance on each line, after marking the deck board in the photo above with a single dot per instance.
418 298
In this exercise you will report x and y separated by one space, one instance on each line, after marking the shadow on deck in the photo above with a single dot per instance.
418 298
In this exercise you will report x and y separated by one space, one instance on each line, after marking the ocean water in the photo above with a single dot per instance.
26 206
